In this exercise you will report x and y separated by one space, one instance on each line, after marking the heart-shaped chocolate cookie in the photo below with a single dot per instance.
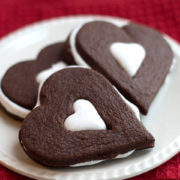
46 139
21 81
135 58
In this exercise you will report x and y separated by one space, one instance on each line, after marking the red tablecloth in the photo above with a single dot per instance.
161 14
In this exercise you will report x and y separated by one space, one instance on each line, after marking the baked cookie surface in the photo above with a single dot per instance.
20 83
135 58
48 139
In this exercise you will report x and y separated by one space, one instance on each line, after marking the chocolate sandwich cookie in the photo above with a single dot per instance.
81 120
135 58
19 85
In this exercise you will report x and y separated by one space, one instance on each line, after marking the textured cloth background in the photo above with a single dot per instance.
160 14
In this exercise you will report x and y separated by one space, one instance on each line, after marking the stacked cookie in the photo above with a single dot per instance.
80 99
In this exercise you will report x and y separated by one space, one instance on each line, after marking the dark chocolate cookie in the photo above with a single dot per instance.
45 138
135 58
20 84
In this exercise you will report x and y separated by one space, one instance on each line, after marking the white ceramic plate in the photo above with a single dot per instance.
163 119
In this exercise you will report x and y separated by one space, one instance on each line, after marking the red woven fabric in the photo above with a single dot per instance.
160 14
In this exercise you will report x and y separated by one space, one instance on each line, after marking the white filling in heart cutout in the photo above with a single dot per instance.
85 117
43 75
129 55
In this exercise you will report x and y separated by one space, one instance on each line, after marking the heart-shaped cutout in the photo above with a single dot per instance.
137 66
129 55
85 117
44 135
43 75
19 84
